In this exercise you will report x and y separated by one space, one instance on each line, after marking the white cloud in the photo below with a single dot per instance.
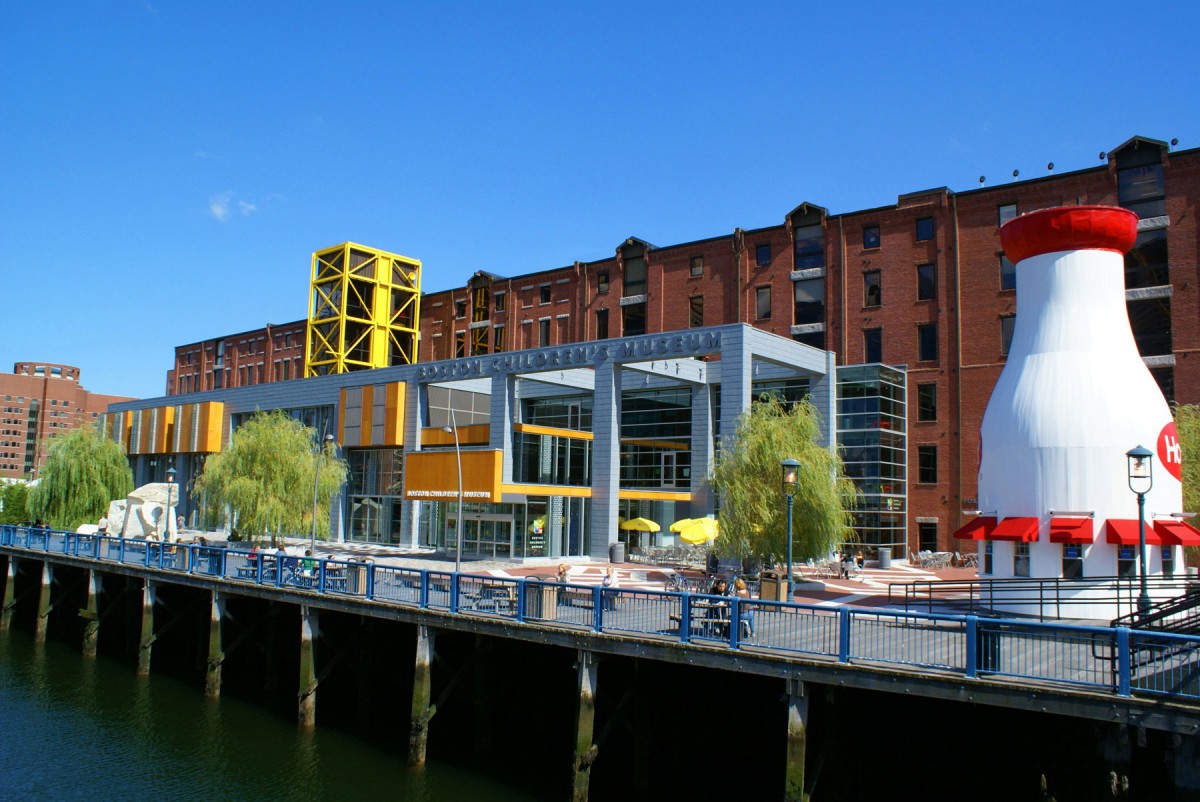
218 206
223 206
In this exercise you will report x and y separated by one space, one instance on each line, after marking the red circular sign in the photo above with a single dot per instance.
1170 451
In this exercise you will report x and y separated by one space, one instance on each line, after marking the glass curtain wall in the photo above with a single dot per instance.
872 433
375 494
656 439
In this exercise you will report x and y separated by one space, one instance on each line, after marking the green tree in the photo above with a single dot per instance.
265 476
1187 425
747 478
83 473
15 498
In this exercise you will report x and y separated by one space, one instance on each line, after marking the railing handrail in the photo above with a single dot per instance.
463 594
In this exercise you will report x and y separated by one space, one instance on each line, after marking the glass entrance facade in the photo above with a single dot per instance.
540 526
374 494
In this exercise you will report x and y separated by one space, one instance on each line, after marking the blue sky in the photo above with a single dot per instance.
169 167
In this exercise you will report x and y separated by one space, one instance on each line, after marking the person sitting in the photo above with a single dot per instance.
745 609
308 566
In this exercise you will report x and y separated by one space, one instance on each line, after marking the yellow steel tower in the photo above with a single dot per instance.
364 310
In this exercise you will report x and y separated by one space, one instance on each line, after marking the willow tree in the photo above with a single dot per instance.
747 480
266 476
1187 426
84 471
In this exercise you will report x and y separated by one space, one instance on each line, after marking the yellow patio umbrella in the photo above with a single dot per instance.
639 525
697 530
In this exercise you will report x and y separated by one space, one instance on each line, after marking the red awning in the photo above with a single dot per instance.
1023 530
979 529
1076 531
1176 533
1123 532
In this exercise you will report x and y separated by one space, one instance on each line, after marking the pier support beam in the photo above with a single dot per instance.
797 741
91 614
216 656
585 724
307 712
418 736
147 640
10 595
44 606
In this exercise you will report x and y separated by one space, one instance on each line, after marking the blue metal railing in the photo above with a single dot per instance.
1117 659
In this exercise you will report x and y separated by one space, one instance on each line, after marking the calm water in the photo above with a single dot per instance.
90 729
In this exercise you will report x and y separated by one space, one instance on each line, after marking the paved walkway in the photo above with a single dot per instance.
868 589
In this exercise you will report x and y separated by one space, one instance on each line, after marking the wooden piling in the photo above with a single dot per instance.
585 722
44 606
418 735
10 595
307 707
91 614
797 741
212 674
147 640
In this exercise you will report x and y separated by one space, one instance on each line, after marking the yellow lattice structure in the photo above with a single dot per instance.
364 310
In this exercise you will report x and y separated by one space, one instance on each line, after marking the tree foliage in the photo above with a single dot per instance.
1187 425
266 478
747 478
83 473
14 497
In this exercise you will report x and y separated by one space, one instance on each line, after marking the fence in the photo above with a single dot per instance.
1116 659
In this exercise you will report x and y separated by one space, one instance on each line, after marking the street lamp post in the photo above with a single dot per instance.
316 485
1141 471
458 527
790 469
167 512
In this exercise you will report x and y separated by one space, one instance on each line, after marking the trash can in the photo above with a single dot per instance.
772 586
541 601
885 557
616 552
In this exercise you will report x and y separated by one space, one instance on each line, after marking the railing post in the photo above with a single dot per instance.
98 543
121 552
843 634
370 592
424 589
1123 662
972 645
454 592
685 619
735 622
597 608
321 575
521 599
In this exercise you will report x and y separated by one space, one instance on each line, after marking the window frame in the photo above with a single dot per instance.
759 293
878 285
1011 271
868 334
927 464
1009 322
922 330
696 305
762 254
602 281
866 242
925 283
696 266
926 222
927 412
1001 217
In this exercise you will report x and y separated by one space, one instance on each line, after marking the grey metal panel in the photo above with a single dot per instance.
606 452
503 392
702 452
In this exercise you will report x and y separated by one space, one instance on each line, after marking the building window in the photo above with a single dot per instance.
872 288
601 324
1150 319
697 266
926 402
544 332
1021 559
634 319
1126 561
498 338
460 344
810 247
927 345
1072 561
924 228
544 294
927 468
1005 212
810 302
871 237
1007 324
1166 382
1146 262
460 309
873 346
1140 185
1168 560
763 308
987 557
498 306
1008 274
926 282
602 282
697 311
762 254
635 276
927 536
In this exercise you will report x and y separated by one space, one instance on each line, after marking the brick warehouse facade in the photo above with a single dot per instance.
41 401
921 283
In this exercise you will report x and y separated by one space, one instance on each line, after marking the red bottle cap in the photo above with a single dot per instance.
1069 228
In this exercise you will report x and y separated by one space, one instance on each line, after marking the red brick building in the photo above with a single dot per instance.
921 283
42 400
